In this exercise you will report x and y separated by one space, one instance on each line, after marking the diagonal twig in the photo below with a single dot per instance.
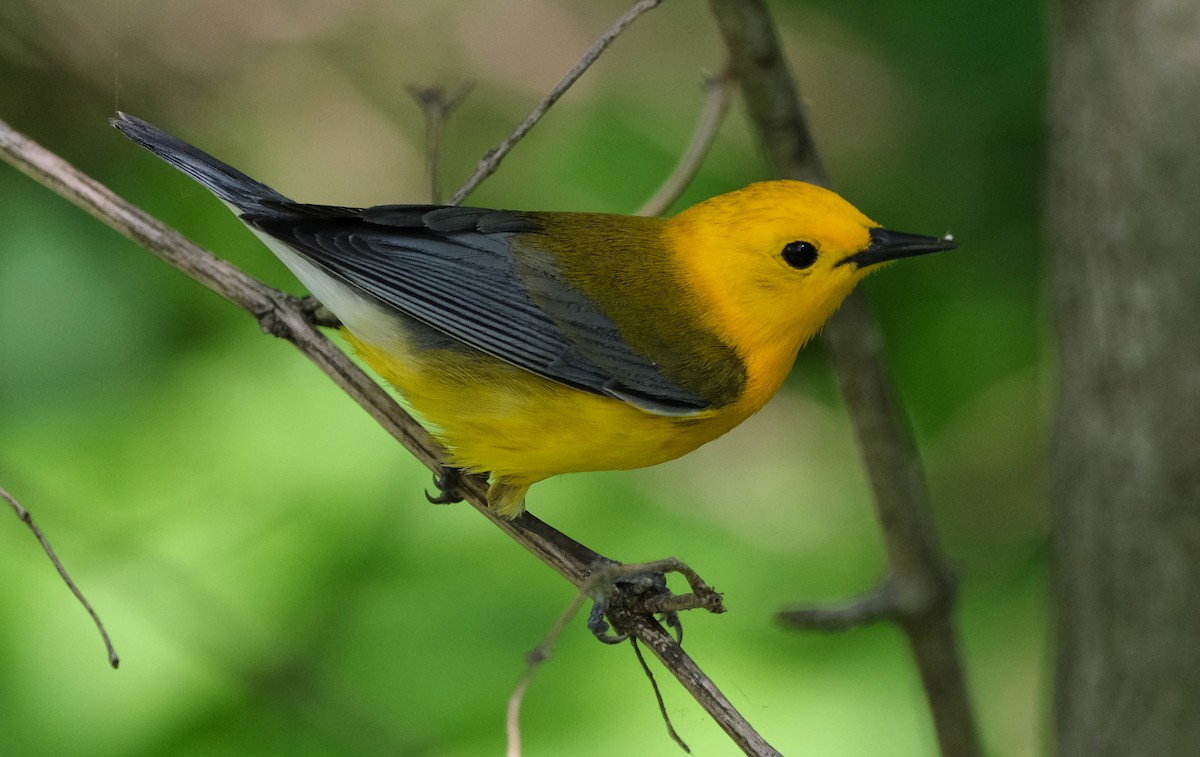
533 661
27 519
491 161
658 697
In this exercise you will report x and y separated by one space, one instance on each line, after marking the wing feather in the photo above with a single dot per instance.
454 269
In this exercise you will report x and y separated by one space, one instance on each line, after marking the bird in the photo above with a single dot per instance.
533 344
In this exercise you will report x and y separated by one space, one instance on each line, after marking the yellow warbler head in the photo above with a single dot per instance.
777 258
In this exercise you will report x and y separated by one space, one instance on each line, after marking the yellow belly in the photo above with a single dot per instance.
523 428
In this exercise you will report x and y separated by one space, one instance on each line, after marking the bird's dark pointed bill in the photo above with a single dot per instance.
890 245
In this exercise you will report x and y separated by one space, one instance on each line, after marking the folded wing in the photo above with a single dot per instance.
455 270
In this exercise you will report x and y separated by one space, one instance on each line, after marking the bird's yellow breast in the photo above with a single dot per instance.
496 417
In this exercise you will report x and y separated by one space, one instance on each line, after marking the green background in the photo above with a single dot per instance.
261 550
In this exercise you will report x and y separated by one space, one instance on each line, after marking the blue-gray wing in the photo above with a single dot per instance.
454 269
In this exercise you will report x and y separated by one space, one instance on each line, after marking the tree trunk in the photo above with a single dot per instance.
1123 208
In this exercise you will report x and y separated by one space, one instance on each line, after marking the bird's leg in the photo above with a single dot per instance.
626 592
317 314
621 592
446 481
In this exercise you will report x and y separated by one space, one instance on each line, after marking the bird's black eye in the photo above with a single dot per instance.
800 254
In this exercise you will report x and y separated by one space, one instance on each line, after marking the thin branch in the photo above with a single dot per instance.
920 585
878 604
716 105
285 316
491 161
24 515
437 106
533 661
658 697
512 716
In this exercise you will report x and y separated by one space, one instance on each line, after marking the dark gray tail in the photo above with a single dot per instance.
226 182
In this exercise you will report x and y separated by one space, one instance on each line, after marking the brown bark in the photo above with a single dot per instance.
1123 206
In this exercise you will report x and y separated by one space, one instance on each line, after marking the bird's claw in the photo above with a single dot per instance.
446 481
625 592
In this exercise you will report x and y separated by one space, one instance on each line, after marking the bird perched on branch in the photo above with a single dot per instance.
539 343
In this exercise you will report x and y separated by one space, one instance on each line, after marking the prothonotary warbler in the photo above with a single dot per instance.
538 343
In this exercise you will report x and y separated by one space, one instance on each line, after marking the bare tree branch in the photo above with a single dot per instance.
872 607
920 587
24 515
716 105
491 161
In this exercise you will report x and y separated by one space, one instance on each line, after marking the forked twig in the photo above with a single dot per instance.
24 515
437 105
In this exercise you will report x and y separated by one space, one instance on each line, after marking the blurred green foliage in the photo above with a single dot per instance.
261 551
